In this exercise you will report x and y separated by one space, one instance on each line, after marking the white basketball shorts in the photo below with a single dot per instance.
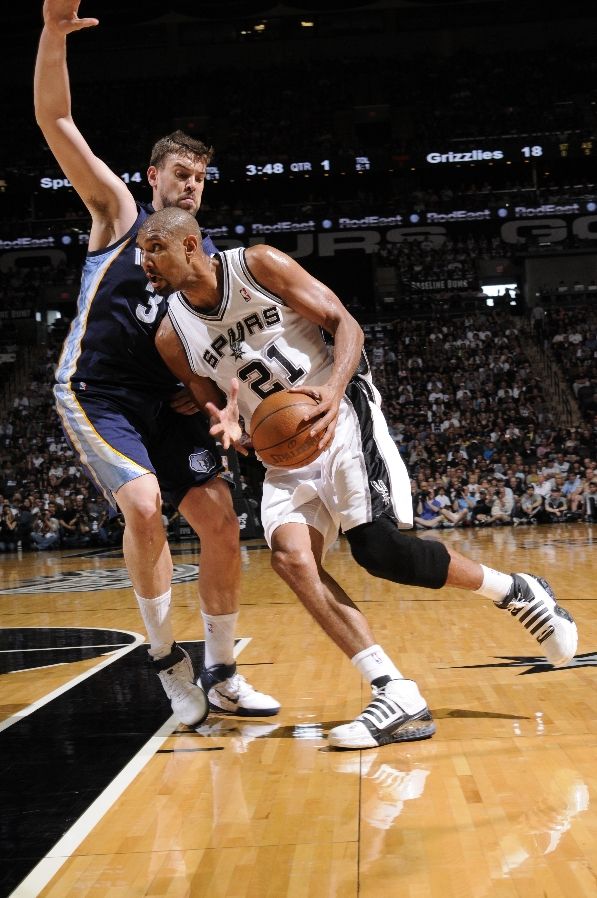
358 478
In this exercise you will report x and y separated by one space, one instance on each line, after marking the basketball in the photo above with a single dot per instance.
279 434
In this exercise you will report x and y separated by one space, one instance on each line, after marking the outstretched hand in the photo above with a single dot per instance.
225 426
324 414
62 16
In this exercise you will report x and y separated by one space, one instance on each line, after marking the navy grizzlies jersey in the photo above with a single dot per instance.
110 348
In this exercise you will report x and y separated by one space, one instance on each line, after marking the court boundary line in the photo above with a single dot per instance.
39 877
66 648
138 640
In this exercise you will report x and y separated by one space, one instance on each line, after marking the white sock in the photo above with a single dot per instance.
495 585
373 663
219 630
156 617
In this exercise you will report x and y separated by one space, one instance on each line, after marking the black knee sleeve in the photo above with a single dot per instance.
385 551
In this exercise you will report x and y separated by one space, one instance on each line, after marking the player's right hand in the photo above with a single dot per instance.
61 16
325 414
224 422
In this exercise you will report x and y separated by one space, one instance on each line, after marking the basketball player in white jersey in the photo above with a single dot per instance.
250 320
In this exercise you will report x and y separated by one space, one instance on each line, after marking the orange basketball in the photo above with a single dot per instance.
278 432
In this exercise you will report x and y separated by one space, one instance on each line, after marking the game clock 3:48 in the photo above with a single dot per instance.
270 168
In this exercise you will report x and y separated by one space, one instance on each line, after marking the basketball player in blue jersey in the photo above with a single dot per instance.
123 411
249 323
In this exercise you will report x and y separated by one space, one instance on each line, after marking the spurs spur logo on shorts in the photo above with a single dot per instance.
202 462
242 520
382 489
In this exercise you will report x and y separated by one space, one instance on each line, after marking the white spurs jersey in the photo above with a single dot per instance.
252 335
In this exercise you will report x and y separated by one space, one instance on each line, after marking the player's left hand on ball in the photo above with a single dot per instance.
324 415
184 403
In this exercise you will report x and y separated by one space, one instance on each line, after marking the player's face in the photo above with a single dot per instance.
179 181
163 262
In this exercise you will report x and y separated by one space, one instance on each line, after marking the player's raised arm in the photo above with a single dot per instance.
109 201
316 302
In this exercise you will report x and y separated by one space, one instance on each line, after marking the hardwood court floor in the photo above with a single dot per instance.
103 797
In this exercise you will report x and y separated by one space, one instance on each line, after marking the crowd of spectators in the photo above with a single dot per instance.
556 492
8 356
423 261
21 287
572 335
46 500
466 407
472 420
468 412
429 273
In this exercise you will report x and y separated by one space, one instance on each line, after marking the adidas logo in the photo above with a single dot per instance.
382 712
536 618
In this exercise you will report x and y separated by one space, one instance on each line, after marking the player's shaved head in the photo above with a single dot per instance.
168 223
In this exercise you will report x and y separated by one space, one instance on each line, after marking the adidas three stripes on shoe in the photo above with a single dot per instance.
532 602
398 713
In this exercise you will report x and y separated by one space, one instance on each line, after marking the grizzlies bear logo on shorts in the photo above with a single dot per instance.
202 462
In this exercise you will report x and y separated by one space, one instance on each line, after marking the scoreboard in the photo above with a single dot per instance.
442 155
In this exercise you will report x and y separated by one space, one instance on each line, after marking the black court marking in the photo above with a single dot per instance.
25 648
90 580
535 665
178 751
193 547
60 758
464 713
112 552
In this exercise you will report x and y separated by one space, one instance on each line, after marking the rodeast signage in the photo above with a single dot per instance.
365 240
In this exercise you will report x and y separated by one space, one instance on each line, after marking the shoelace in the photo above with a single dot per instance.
177 685
237 683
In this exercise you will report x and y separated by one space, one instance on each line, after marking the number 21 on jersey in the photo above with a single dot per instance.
261 379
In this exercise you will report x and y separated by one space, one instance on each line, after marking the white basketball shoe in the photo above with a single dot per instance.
229 693
188 700
532 602
398 713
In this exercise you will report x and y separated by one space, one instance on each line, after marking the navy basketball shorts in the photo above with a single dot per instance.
117 445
